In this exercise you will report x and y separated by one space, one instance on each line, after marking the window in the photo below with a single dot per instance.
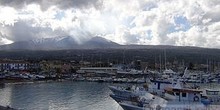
183 94
209 93
170 92
216 93
177 93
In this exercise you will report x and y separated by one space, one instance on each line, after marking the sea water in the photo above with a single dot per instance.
68 95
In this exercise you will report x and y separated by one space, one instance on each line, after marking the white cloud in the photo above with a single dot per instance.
7 16
152 22
4 40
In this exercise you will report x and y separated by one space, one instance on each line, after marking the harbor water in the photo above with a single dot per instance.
69 95
58 96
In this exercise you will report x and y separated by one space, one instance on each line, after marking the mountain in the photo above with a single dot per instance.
68 43
99 42
67 48
59 43
56 43
147 53
21 45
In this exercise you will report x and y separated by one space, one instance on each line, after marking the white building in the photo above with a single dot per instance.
13 65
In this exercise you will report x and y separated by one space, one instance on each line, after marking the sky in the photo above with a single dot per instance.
145 22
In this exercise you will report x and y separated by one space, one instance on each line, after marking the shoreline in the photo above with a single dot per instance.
10 82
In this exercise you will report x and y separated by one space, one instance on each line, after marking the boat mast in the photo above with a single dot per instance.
124 56
82 64
91 61
183 63
160 62
165 59
207 68
100 58
155 63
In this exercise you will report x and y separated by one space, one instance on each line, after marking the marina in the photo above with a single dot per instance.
115 87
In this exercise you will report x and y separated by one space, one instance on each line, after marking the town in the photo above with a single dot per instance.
137 71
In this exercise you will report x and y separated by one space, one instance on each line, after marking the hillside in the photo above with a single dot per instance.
145 53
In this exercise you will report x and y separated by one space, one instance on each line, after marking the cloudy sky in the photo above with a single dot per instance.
150 22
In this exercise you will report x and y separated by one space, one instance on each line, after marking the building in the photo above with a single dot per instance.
13 65
97 71
19 65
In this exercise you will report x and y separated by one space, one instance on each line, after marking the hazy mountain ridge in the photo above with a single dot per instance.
60 43
182 54
67 48
68 43
99 42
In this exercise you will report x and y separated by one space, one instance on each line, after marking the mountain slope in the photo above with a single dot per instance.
59 43
42 44
99 42
21 45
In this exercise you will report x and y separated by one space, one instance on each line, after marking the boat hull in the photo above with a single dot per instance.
118 98
126 106
122 93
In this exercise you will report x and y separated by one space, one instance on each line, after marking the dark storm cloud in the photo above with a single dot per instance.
45 4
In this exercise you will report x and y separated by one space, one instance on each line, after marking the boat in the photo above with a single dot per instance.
178 97
182 94
159 103
145 102
155 87
125 93
211 96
